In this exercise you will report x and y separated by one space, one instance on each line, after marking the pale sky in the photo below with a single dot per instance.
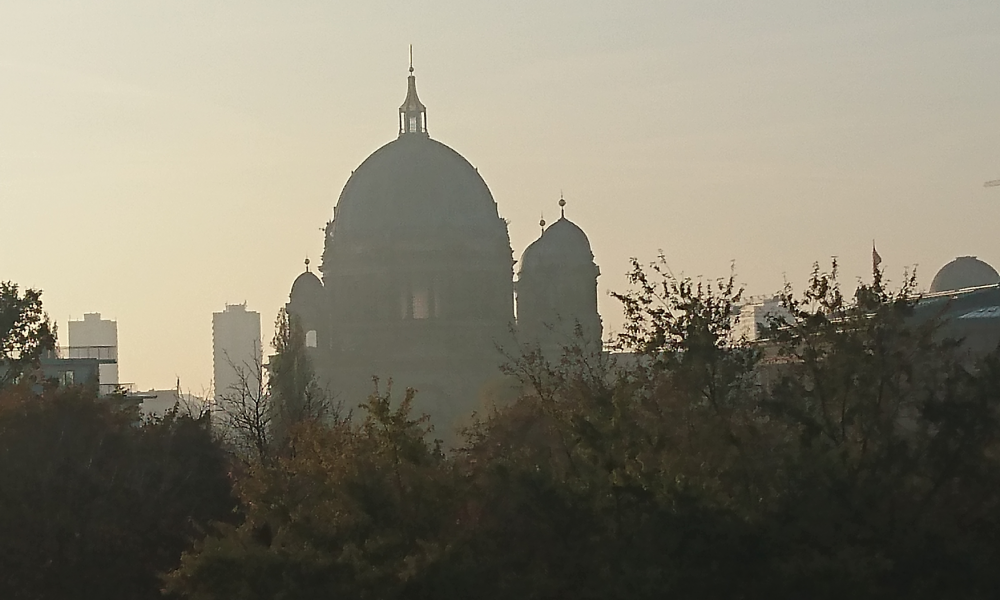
159 159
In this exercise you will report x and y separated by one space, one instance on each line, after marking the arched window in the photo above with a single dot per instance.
311 338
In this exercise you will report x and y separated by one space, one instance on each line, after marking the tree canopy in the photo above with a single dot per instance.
853 451
25 331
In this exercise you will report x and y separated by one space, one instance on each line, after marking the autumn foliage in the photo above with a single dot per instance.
853 452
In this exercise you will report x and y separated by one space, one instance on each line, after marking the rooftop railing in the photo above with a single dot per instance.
104 354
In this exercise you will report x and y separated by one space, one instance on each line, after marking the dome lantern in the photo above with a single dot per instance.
412 113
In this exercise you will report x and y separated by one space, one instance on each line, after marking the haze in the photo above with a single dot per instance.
158 160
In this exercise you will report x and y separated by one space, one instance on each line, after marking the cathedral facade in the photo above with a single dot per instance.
417 280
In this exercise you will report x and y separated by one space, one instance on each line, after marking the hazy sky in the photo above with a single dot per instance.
161 158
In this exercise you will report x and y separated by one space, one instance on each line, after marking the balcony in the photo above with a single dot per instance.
105 355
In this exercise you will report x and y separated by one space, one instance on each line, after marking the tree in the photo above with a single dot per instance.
614 479
893 484
25 332
354 512
293 384
245 414
266 402
853 452
96 504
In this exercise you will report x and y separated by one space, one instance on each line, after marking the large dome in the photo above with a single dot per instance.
964 272
414 183
562 244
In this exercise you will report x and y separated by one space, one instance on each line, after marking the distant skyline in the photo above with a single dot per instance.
160 160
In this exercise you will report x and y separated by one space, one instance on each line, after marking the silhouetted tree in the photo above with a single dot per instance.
295 390
94 504
257 412
853 452
354 512
25 331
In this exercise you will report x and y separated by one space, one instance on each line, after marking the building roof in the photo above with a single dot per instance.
413 184
562 244
307 286
412 103
964 272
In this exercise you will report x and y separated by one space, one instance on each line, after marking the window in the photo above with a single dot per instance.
413 123
421 300
311 338
417 301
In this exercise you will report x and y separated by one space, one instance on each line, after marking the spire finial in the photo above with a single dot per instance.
562 205
541 222
412 114
307 264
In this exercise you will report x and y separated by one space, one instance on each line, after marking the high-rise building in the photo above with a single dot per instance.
96 338
236 349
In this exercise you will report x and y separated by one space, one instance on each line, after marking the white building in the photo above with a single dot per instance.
235 346
755 318
94 337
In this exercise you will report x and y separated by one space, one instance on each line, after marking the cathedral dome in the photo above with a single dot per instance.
964 272
414 183
306 286
562 244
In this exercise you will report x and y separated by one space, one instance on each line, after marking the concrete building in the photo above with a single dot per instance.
96 338
235 346
756 317
156 403
417 279
965 296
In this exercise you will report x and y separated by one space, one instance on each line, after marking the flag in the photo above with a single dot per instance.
876 259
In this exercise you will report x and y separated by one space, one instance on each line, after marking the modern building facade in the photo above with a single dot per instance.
96 338
236 348
417 284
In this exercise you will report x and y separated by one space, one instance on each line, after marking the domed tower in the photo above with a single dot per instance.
307 303
417 269
557 289
964 272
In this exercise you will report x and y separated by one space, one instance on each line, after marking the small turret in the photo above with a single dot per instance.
412 113
306 303
557 289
